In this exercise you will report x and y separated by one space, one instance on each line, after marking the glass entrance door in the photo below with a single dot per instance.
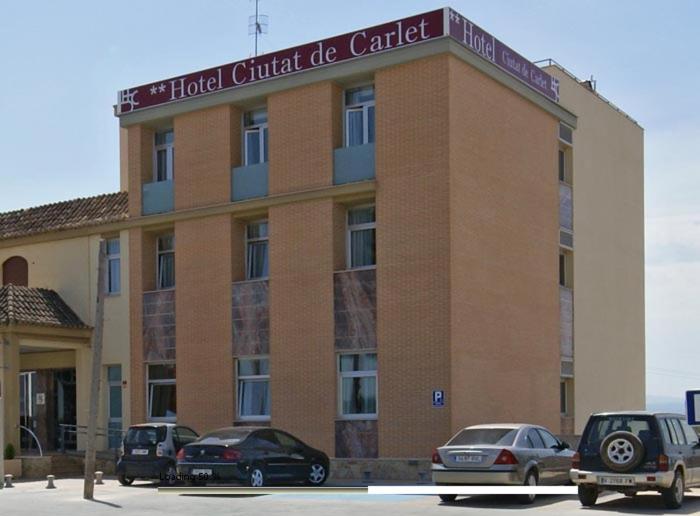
27 408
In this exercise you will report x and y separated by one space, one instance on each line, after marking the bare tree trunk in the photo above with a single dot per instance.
90 446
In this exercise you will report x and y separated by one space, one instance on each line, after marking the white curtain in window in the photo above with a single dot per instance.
254 398
355 129
362 248
252 147
257 260
360 395
166 270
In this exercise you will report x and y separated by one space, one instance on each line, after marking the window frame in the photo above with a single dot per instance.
169 149
158 255
363 107
111 257
349 228
261 128
357 374
253 240
251 378
149 400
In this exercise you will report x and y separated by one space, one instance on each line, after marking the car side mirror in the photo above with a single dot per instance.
563 445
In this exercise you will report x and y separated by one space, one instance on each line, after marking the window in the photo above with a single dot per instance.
287 441
676 424
602 426
549 440
184 436
114 404
15 270
566 133
257 261
162 400
255 135
359 116
563 399
114 282
534 439
166 262
690 436
253 388
562 165
358 385
565 269
361 237
164 157
488 436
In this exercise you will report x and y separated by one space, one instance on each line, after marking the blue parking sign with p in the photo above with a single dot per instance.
438 398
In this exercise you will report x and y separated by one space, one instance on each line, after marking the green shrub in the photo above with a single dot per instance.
9 451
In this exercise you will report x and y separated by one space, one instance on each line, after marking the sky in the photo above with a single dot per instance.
62 63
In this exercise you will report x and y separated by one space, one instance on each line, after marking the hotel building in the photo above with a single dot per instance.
370 241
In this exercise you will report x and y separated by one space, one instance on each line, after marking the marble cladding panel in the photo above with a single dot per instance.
159 325
355 309
356 439
566 323
251 318
566 208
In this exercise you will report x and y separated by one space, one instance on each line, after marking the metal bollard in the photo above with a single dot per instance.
98 477
8 481
50 479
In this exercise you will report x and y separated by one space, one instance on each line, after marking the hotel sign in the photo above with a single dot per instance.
484 44
365 42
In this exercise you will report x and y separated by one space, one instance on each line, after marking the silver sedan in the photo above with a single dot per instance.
502 454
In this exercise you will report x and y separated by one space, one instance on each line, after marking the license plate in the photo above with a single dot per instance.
616 481
469 458
136 451
201 472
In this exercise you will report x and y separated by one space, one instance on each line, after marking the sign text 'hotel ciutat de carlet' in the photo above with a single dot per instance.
441 23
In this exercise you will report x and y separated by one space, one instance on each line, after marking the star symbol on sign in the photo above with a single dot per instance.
154 90
454 16
161 88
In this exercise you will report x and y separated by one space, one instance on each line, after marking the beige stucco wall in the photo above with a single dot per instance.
69 266
608 186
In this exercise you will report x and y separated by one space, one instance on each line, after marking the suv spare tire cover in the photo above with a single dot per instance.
622 451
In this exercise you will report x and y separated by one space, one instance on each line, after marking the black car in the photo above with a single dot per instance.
149 450
630 452
256 456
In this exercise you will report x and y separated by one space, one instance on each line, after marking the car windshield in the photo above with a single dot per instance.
226 434
145 435
603 426
488 436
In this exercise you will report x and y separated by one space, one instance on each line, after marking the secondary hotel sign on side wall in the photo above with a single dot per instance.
353 45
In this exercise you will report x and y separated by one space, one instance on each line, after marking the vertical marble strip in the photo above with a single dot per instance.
159 325
356 439
251 318
355 309
566 322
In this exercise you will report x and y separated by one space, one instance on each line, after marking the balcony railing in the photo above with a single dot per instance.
249 182
157 197
351 164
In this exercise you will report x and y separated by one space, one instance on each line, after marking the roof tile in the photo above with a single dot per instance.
36 306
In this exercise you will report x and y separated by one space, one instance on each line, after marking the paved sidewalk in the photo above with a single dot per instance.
142 499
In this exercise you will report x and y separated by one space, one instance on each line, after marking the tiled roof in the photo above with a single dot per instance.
77 213
36 306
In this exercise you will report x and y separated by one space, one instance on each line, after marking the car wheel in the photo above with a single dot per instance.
448 498
256 477
588 495
673 496
621 451
169 477
530 480
317 475
124 480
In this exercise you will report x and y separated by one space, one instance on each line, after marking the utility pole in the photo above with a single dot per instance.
91 445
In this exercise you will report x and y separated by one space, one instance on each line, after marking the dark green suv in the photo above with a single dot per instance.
630 452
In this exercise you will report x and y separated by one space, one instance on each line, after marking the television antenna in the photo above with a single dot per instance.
257 24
